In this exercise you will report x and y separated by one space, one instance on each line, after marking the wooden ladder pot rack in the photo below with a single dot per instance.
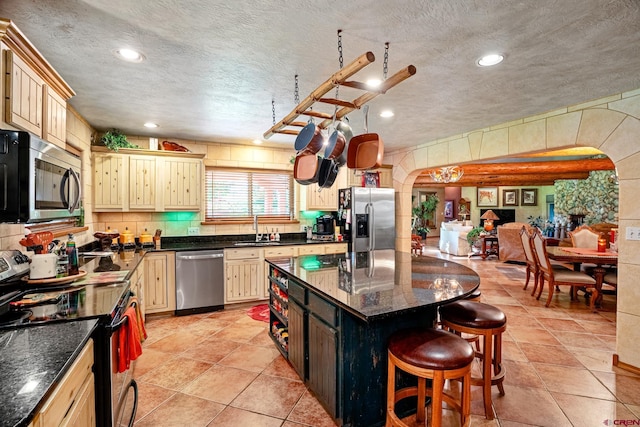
338 78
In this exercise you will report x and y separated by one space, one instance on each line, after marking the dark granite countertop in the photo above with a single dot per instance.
195 243
32 361
377 284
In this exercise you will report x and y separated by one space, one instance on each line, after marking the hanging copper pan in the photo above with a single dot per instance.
366 150
335 146
306 168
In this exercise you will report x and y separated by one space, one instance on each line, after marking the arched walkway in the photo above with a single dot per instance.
610 124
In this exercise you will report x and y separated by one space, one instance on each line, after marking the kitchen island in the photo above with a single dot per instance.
331 317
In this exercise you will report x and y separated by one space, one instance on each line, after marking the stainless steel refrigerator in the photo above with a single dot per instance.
367 217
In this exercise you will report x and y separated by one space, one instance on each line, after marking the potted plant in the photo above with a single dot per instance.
424 212
114 140
473 236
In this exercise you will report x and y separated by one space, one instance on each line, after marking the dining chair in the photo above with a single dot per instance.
558 277
584 237
416 244
530 259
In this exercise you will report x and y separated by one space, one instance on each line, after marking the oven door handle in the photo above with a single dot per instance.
116 324
134 385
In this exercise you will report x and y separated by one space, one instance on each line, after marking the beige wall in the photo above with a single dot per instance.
610 124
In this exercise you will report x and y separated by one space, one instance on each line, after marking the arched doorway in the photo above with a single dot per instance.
611 125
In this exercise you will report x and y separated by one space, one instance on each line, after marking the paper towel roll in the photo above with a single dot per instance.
43 266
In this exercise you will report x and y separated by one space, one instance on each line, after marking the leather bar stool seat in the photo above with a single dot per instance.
429 354
488 322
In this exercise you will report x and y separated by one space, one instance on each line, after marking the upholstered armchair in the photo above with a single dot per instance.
509 241
453 237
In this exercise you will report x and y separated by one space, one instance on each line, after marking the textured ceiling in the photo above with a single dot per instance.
214 66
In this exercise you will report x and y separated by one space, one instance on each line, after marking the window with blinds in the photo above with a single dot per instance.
240 194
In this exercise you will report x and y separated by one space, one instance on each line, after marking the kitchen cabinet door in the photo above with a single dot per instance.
324 199
55 117
182 184
160 282
244 280
24 95
109 182
323 362
142 183
297 337
72 403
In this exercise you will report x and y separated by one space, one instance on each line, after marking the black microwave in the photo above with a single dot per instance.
39 181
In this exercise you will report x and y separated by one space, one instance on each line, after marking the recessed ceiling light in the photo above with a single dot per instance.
150 125
489 60
386 113
374 83
257 141
129 55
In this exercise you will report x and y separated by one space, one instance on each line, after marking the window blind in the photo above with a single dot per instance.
238 194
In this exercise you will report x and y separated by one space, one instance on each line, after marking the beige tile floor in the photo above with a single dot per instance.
221 369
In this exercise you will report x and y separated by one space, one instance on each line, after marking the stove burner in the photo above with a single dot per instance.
12 318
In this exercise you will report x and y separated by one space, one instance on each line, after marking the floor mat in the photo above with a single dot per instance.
259 312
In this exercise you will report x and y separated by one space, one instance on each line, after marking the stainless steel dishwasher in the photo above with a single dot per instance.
199 281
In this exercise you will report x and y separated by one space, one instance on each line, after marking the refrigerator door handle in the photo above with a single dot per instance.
371 216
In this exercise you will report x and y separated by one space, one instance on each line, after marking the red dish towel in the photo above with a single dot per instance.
129 347
141 329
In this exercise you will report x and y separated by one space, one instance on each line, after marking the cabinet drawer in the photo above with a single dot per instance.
335 248
241 253
280 251
64 395
323 310
313 249
297 292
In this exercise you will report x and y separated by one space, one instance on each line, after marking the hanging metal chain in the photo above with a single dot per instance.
385 65
273 110
341 62
296 92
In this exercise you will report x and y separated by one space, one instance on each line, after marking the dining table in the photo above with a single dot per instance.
577 256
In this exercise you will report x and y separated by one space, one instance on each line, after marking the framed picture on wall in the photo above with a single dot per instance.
529 197
488 196
448 209
510 197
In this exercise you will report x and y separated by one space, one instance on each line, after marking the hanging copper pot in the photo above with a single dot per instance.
309 140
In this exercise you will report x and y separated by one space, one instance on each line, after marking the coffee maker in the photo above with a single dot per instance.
324 227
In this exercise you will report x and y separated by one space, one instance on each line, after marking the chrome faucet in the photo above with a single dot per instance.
255 227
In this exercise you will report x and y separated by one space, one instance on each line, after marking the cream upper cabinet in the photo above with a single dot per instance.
24 95
385 175
144 180
109 182
34 94
182 184
142 183
54 117
314 198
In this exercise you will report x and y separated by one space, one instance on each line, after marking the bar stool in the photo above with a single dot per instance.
486 321
429 354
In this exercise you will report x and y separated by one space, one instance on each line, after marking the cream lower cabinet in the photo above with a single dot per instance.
72 403
137 287
159 282
244 274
